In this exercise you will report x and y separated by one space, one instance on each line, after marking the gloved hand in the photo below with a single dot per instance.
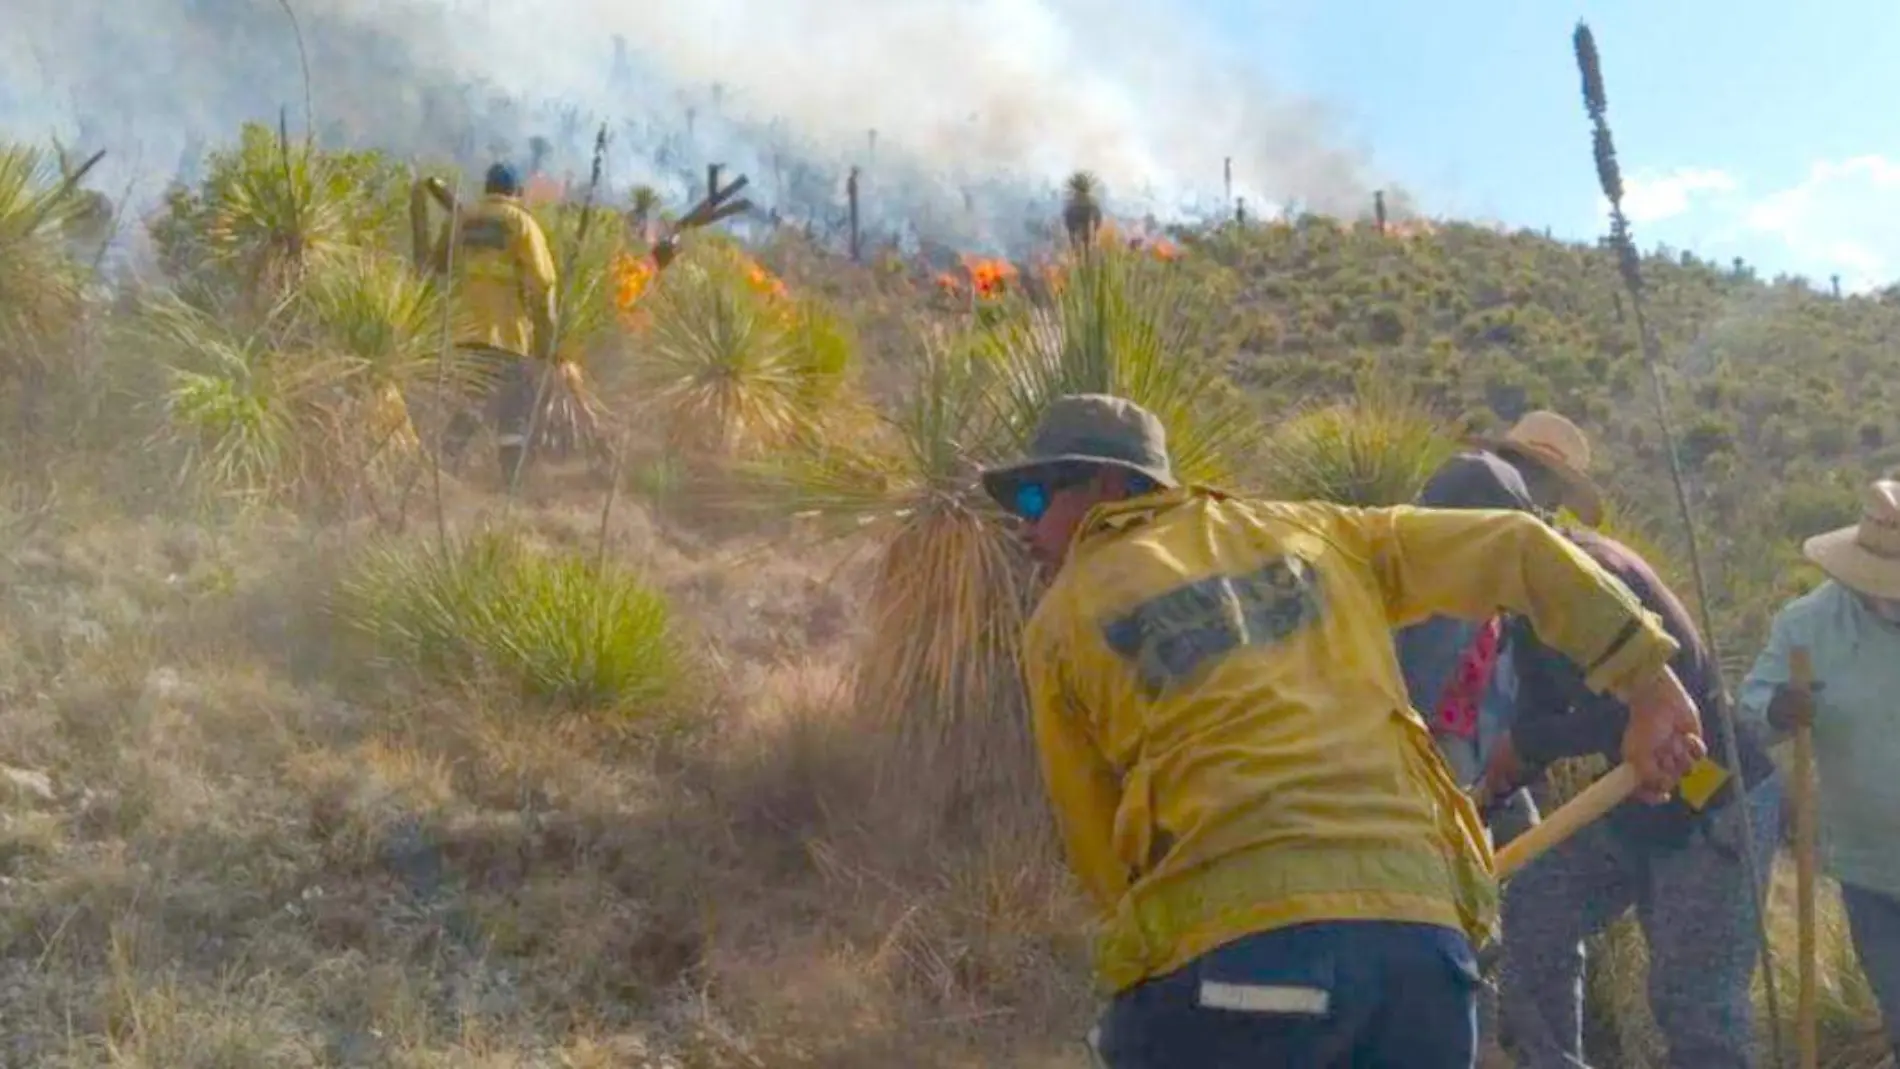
665 249
1793 707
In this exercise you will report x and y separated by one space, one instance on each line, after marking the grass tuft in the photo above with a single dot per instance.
567 634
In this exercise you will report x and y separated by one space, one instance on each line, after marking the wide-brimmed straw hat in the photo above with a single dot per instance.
1866 556
1558 445
1088 428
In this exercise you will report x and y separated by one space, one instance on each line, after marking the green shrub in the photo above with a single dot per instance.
567 633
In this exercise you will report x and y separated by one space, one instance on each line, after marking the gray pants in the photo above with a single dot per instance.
1874 920
1695 905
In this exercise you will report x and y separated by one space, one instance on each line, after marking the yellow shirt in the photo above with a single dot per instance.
507 276
1224 730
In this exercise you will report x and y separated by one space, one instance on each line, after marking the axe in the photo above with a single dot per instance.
1696 788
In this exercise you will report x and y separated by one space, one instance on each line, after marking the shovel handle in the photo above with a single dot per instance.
1807 1000
1591 803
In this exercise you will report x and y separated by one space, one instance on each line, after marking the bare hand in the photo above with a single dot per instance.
1503 770
1664 737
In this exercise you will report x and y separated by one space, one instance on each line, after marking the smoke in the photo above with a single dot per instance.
964 115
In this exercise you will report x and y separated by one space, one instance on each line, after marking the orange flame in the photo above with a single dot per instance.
989 278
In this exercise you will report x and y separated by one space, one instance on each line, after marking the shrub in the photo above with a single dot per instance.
566 632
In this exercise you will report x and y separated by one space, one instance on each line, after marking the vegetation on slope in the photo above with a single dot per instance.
220 848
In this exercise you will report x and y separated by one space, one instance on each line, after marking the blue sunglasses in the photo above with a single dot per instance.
1032 500
1032 496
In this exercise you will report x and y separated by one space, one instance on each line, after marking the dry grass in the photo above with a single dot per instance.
235 864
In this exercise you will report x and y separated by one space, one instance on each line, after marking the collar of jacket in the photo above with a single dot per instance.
1114 517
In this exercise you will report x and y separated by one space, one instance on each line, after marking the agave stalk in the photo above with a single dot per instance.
1629 266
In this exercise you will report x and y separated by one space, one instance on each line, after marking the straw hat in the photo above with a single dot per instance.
1558 445
1866 556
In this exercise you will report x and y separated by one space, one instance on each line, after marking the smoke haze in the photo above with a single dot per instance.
979 107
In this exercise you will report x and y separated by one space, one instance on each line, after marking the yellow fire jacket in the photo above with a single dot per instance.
506 290
1224 731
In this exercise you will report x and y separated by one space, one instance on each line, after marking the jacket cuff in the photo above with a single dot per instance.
1641 653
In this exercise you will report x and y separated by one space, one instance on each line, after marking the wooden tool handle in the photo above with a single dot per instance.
1807 1016
1594 801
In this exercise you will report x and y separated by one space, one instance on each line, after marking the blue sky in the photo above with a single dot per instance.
1745 128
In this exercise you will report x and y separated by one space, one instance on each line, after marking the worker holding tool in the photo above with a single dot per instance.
1286 871
1459 674
1850 626
506 290
1683 865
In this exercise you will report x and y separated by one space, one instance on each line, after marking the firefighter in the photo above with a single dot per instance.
1286 871
505 288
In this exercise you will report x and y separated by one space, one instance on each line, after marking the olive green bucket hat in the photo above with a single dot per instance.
1088 428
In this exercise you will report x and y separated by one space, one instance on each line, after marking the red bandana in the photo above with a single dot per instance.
1457 712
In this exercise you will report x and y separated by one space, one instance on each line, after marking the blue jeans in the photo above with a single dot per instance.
1334 995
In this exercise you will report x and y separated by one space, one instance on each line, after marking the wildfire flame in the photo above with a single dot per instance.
989 278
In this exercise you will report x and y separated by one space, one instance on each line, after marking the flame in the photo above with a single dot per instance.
989 278
632 275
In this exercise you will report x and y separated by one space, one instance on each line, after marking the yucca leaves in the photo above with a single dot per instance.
717 366
40 284
269 210
1125 324
1377 449
236 408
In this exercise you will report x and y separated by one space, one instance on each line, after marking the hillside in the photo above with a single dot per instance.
705 750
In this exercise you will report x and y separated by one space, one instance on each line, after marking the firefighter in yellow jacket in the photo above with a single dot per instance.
505 302
1286 872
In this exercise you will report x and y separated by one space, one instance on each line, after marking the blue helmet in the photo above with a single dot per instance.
502 179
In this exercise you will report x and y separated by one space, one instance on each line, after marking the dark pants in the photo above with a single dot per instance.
1337 995
509 406
1874 921
1697 915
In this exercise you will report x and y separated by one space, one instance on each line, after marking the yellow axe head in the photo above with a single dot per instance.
1701 782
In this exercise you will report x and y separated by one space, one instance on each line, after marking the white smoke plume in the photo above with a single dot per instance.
963 114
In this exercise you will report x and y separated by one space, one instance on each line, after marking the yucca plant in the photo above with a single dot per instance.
1377 449
245 417
571 411
40 284
950 585
1082 208
716 367
643 205
383 324
269 209
1125 324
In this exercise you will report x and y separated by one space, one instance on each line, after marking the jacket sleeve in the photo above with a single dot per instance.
1769 672
534 266
1471 563
1083 788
